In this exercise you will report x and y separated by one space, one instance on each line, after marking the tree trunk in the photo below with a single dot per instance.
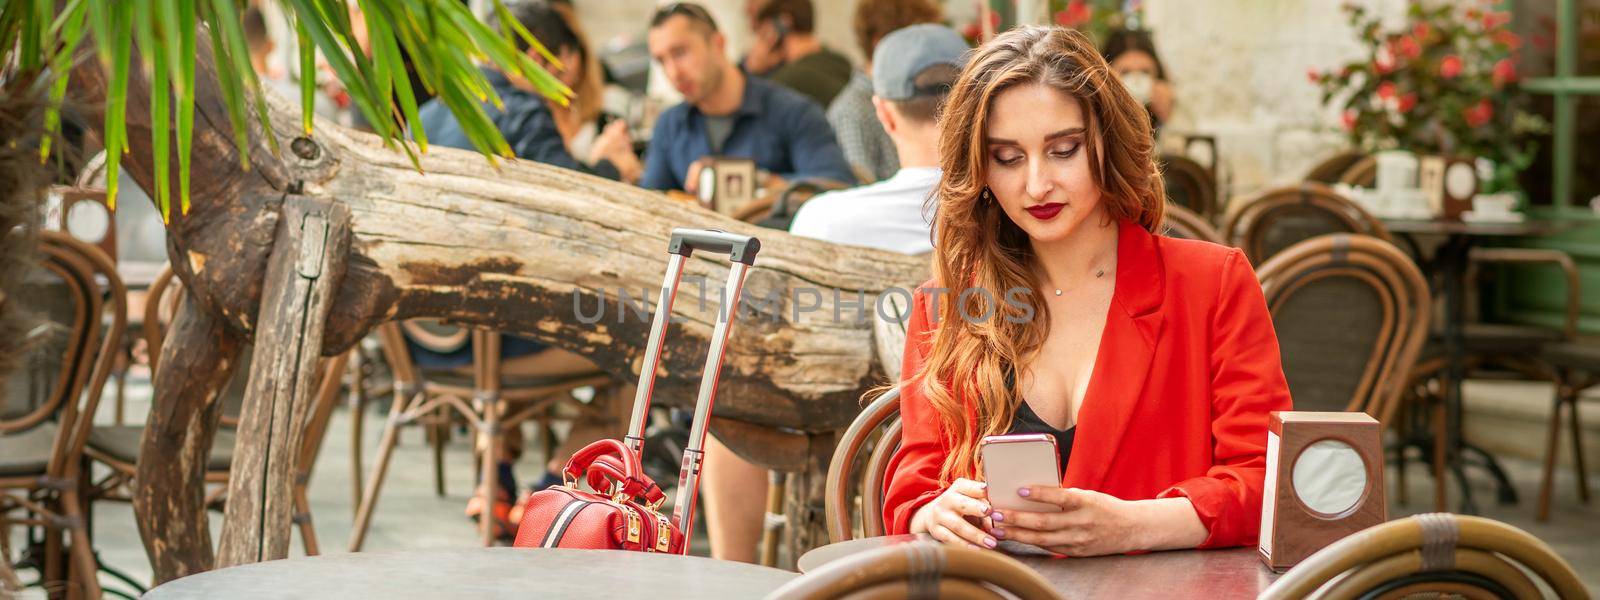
522 247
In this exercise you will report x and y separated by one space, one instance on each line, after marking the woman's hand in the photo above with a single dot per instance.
1093 524
954 515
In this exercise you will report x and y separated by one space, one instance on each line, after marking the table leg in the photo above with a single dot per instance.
1451 259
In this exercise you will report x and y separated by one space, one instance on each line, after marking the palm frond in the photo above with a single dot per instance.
445 42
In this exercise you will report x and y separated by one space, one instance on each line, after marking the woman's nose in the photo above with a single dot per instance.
1039 183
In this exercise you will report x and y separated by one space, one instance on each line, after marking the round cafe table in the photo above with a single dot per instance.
482 573
1233 573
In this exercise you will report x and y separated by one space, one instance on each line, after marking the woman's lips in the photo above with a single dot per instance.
1045 212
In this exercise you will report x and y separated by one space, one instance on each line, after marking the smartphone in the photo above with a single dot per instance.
1012 462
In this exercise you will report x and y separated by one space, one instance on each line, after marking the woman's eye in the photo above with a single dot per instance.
1065 152
1008 159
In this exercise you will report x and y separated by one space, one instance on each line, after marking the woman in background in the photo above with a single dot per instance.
1132 54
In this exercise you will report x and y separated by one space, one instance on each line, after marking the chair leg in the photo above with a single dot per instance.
1441 482
302 518
1552 443
84 567
1403 434
358 413
52 557
489 480
440 434
1577 448
369 497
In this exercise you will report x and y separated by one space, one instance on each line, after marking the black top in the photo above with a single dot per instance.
1027 421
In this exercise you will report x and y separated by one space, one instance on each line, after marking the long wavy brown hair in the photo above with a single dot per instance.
978 246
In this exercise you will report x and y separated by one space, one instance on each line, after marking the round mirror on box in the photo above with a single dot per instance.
1324 481
1329 477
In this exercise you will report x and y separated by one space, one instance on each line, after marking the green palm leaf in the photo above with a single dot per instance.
445 42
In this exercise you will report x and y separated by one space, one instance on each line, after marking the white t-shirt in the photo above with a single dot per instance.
888 214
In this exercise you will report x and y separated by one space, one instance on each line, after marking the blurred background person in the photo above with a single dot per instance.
787 27
1132 54
912 71
537 128
761 59
854 119
274 77
727 113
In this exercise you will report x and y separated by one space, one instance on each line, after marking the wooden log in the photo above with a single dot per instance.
197 361
805 507
306 267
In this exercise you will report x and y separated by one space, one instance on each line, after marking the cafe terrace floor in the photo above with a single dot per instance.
409 515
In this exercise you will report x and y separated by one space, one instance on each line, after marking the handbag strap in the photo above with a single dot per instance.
622 465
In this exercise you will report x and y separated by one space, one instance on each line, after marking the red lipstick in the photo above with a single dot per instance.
1045 212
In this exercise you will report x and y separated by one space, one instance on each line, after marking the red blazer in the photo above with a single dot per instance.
1187 371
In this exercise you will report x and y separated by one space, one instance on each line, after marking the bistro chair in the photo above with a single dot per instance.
1276 219
877 432
487 402
1190 185
1577 368
1440 553
45 419
119 446
1351 313
1184 223
1332 168
777 210
1362 172
923 569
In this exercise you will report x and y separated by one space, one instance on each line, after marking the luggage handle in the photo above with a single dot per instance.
739 248
684 242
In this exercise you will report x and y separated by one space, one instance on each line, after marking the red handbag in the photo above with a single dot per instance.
624 511
626 516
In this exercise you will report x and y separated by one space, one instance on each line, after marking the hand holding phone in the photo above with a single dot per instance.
1012 462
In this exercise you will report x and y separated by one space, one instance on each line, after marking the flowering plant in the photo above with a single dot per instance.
1446 84
1097 17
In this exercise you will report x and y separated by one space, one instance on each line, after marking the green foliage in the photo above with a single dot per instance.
444 40
1446 84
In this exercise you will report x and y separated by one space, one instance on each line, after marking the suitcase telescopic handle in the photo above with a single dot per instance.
739 248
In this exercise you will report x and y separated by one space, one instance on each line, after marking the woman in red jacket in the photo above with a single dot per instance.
1151 359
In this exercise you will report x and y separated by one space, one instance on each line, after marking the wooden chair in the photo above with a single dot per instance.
41 446
877 428
487 402
1361 172
1577 368
1332 168
118 447
1437 552
920 570
1190 185
1276 219
1184 223
1351 313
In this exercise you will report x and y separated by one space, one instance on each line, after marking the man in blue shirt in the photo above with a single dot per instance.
725 113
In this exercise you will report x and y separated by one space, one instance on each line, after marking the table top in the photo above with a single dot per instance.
1233 573
1480 228
483 573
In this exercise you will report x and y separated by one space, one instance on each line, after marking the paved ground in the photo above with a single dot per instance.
410 515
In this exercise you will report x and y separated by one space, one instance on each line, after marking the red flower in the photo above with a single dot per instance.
1421 30
1386 90
1479 114
1495 19
1506 38
1313 75
1407 48
1407 102
1348 119
1076 13
1473 14
1450 66
1505 71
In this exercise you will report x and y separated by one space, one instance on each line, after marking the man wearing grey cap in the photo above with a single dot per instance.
912 70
